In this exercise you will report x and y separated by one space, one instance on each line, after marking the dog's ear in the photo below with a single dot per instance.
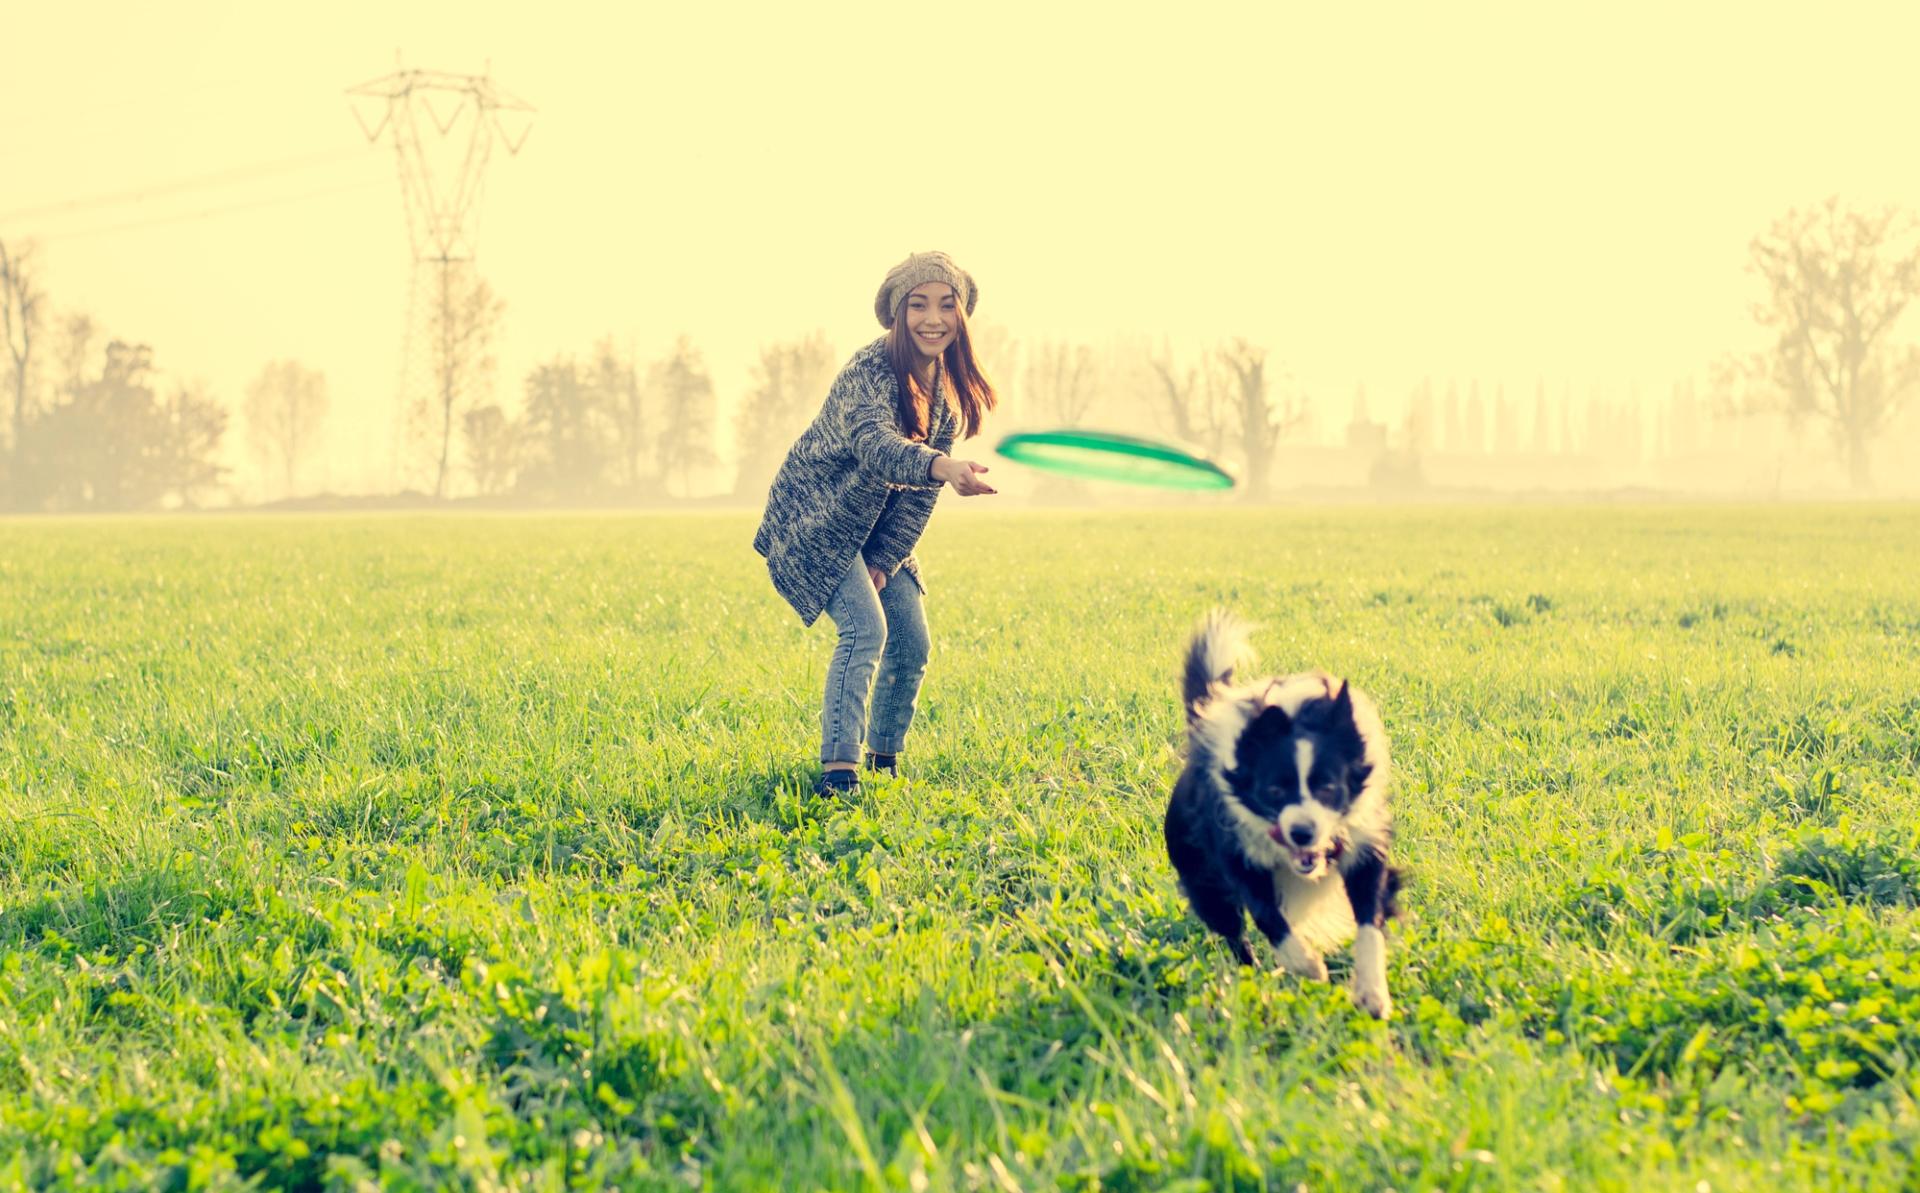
1269 727
1345 726
1261 733
1343 705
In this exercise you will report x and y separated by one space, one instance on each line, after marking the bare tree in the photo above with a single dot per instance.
1194 399
685 400
1838 281
566 439
286 405
195 424
616 381
493 448
995 350
464 323
1061 381
75 347
21 312
1257 420
790 383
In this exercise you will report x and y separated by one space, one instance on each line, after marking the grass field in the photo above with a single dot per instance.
479 851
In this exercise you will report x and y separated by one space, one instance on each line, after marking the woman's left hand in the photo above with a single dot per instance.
879 577
963 475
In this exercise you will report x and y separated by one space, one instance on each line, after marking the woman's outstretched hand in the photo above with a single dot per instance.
963 475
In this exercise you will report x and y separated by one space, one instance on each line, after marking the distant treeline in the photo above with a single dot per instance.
108 438
89 426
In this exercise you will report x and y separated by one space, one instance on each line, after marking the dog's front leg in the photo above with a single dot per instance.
1216 900
1263 901
1366 883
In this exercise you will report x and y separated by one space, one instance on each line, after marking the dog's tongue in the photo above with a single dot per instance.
1304 860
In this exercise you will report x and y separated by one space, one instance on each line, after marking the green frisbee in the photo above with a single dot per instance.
1109 456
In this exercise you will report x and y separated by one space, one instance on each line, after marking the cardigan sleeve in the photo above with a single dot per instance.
907 510
873 432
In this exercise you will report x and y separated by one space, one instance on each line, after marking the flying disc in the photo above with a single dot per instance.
1109 456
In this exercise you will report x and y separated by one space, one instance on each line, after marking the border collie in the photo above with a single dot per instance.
1282 812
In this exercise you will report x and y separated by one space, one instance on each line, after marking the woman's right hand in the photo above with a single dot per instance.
963 475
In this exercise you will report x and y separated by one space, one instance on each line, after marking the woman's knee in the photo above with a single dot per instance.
864 638
906 619
909 643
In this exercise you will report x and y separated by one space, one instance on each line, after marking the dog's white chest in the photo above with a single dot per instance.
1317 909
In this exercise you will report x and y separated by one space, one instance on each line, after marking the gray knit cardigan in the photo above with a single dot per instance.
852 484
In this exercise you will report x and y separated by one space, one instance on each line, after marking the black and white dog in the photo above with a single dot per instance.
1282 812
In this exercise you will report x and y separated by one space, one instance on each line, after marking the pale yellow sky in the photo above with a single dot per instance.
1375 193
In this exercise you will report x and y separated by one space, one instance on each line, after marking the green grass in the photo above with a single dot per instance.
479 851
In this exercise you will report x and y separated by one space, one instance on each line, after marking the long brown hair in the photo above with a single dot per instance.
965 381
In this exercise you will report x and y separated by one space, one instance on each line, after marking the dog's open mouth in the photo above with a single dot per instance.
1308 862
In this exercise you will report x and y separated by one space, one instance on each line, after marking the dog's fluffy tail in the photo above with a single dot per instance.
1219 649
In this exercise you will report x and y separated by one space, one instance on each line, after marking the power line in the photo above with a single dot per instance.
178 186
18 138
210 212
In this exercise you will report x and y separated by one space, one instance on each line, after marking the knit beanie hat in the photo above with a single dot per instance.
917 270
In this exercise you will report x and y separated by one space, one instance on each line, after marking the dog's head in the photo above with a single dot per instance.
1304 768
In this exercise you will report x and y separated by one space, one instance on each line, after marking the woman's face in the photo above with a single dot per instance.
933 317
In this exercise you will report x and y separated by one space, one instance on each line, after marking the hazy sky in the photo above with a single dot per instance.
1376 193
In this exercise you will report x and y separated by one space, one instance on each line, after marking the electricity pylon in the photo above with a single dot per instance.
443 127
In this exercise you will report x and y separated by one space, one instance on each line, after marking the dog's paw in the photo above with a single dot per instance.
1372 997
1299 960
1370 972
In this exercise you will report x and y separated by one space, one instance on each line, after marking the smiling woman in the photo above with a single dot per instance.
854 494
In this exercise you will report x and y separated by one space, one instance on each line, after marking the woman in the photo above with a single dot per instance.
854 494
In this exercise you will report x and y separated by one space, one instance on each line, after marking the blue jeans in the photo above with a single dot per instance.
884 631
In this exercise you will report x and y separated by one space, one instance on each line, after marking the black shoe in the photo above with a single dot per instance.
836 782
886 764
